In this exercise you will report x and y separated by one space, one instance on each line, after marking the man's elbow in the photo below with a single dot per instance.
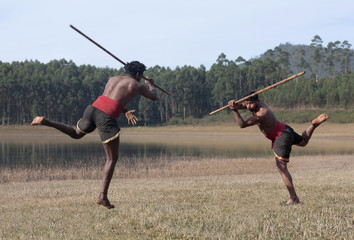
154 98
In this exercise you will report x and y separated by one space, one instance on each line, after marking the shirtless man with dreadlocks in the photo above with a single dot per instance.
102 114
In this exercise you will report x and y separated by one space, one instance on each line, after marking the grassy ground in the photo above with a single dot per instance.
195 199
208 198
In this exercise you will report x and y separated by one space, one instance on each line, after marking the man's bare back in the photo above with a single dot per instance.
123 89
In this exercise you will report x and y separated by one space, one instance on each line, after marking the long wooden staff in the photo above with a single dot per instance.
98 45
260 91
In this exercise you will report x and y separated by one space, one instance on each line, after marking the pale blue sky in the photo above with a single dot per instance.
165 33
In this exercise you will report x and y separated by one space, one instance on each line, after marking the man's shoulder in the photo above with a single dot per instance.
126 79
264 112
130 78
118 77
131 83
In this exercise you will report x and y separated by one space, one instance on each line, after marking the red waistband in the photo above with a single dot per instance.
109 106
275 132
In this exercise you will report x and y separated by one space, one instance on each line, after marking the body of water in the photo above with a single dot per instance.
61 151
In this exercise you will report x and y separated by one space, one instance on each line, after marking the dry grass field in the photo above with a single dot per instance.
194 199
187 198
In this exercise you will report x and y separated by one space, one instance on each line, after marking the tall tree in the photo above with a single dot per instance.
346 56
317 53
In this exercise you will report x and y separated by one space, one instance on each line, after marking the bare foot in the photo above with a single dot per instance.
293 201
38 121
103 200
320 119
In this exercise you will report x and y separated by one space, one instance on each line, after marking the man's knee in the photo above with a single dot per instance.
303 143
281 165
112 160
112 157
78 135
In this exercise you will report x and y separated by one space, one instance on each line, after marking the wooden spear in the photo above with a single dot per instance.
98 45
260 91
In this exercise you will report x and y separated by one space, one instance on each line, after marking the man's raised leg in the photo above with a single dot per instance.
306 135
68 130
111 150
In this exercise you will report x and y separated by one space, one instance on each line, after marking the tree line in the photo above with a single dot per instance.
321 60
60 90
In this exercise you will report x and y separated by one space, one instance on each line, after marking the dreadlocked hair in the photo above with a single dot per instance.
134 67
252 98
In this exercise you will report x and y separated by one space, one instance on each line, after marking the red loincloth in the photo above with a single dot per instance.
275 132
109 106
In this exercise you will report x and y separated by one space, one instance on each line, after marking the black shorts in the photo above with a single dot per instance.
93 118
282 145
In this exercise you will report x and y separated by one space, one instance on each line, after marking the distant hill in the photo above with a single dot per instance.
332 60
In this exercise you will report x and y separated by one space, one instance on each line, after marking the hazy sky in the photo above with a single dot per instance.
165 33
